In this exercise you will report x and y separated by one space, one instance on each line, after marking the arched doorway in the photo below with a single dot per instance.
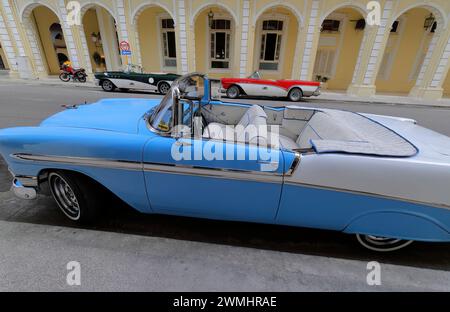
215 41
157 39
276 31
101 38
411 35
46 38
59 43
340 39
3 62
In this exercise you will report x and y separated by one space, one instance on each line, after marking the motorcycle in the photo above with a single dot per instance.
69 72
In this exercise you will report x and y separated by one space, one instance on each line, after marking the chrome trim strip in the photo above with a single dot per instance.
336 189
155 167
230 174
294 165
94 162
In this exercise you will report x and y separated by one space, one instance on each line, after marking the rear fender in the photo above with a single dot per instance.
404 225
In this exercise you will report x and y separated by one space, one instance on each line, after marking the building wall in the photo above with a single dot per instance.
360 53
150 38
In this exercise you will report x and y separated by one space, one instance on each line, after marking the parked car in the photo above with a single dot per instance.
133 78
254 85
384 179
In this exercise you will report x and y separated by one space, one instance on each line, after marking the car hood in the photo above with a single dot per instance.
120 115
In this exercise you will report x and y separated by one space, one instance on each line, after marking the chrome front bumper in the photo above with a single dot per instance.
25 187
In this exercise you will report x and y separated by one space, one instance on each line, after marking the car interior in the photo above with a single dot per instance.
231 122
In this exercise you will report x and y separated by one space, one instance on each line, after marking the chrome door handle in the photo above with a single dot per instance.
264 88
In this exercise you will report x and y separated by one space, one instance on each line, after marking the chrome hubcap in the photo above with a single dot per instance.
296 95
378 243
107 85
64 196
164 88
232 92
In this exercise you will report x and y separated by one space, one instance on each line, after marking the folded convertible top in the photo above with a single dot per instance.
348 132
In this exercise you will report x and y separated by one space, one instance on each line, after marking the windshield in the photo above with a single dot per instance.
189 86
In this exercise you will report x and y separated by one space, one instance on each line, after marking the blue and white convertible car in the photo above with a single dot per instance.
385 179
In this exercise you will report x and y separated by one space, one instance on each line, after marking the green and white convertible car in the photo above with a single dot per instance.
134 78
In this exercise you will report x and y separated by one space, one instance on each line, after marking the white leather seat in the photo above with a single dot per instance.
247 130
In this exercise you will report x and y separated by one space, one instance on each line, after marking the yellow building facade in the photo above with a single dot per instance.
403 49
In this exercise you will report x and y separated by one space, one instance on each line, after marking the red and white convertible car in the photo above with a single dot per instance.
254 85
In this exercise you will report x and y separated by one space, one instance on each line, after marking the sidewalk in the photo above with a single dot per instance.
51 81
326 95
383 99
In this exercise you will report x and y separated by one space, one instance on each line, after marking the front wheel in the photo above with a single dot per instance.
295 95
233 92
163 87
382 244
64 77
75 195
108 86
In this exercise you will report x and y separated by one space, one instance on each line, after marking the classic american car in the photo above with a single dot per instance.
384 179
133 78
254 85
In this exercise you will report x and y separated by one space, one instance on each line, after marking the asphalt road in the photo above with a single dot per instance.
129 251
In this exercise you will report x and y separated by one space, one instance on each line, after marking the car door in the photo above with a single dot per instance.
262 87
141 81
226 187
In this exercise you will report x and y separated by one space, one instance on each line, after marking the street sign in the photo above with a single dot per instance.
125 48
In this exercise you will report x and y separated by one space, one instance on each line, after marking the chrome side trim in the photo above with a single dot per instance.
230 174
342 190
294 165
94 162
268 177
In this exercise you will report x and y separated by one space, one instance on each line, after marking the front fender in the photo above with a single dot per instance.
95 153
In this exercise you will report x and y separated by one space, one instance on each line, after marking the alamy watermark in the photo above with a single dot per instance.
373 13
257 143
73 277
373 277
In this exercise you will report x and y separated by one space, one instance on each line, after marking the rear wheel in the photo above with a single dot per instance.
82 78
233 92
295 95
382 244
76 196
108 86
163 87
64 77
